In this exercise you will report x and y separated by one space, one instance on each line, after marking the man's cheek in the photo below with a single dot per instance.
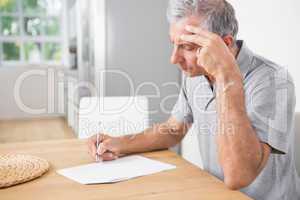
191 61
194 62
191 57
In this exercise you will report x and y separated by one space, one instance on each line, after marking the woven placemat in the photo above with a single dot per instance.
18 168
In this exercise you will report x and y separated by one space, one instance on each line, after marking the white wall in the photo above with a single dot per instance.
138 44
35 92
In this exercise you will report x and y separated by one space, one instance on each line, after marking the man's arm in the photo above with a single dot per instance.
158 137
240 151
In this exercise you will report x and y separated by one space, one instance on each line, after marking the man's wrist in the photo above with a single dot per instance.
227 79
126 143
228 74
123 145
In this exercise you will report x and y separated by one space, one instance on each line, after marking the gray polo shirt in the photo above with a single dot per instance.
270 102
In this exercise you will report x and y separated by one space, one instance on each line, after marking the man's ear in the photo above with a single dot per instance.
229 41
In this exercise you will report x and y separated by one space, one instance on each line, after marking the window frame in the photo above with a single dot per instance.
61 38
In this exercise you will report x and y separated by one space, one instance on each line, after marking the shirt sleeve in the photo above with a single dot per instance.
272 104
182 110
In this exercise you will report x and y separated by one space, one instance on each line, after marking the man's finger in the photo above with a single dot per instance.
198 31
92 147
101 149
195 39
108 156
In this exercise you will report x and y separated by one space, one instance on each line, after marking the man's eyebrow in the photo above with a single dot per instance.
180 42
187 43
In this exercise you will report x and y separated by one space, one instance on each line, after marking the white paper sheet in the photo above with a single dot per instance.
114 171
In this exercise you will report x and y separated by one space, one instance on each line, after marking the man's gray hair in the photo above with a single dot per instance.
219 15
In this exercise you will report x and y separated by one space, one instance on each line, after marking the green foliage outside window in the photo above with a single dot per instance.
36 22
11 51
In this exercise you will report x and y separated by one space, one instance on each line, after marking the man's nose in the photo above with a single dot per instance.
175 57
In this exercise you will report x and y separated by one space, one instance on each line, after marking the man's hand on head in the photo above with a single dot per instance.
213 53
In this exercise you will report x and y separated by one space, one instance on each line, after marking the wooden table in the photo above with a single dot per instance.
185 182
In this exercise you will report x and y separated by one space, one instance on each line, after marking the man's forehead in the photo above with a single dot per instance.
178 28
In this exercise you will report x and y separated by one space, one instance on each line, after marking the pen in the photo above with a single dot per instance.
97 146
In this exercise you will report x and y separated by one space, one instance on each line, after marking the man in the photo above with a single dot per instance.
241 104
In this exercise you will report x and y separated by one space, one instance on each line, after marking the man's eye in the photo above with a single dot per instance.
188 47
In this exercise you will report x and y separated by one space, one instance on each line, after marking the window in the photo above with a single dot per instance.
31 32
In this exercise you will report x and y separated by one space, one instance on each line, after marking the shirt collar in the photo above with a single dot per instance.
244 58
